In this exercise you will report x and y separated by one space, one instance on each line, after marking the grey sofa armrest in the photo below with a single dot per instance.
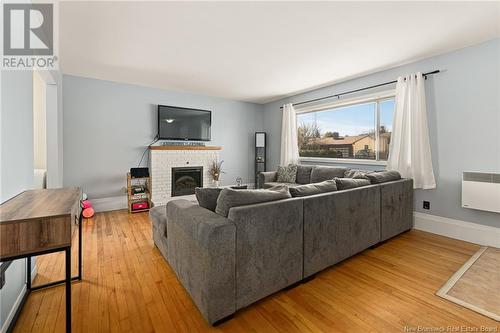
201 250
269 251
158 217
266 177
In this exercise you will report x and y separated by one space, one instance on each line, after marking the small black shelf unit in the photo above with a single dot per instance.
260 155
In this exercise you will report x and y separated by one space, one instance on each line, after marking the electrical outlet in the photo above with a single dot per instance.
427 205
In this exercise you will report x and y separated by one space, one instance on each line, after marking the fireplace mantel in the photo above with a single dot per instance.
181 147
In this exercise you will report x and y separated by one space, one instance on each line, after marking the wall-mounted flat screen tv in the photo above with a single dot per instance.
177 123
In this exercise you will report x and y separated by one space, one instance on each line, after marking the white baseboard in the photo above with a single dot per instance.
467 231
111 203
17 303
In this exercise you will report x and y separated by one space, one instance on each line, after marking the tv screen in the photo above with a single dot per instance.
176 123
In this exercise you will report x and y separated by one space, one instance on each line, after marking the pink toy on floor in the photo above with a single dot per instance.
88 212
86 204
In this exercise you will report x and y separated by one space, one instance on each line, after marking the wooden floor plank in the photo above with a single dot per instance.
128 287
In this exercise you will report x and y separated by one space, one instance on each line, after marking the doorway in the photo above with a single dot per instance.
47 129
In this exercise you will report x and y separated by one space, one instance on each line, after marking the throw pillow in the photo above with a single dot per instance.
356 174
207 197
287 174
229 198
304 174
315 188
383 176
322 173
347 183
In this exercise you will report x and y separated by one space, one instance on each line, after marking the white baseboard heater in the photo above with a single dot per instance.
481 191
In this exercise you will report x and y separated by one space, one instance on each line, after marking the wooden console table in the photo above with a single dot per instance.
38 222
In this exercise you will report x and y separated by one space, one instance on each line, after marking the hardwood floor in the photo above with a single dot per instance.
129 287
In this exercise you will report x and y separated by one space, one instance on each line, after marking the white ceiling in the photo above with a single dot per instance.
260 51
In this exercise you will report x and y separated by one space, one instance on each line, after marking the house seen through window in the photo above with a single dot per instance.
358 131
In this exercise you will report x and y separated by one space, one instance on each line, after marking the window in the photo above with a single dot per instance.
360 131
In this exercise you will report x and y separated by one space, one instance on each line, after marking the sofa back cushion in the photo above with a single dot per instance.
287 174
347 183
304 174
322 173
356 174
229 198
207 197
314 188
383 176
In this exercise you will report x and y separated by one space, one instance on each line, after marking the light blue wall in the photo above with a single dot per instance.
17 133
107 126
16 165
463 105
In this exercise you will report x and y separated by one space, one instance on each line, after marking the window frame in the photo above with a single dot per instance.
370 98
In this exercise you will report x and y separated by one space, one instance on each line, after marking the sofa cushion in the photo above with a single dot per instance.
356 174
314 188
229 198
287 174
347 183
207 197
273 184
304 174
383 176
322 173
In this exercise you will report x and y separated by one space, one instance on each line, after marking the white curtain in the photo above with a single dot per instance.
289 142
409 149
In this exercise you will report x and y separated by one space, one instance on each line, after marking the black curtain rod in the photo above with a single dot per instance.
357 90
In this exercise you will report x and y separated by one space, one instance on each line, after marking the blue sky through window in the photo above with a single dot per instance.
351 120
386 114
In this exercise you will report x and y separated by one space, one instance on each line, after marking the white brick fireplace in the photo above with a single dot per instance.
164 158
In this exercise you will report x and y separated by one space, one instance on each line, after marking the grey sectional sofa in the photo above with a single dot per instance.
226 264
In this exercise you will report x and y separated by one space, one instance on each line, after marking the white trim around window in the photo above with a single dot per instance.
387 94
378 96
342 161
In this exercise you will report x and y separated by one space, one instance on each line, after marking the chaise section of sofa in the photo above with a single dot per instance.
269 247
226 264
201 251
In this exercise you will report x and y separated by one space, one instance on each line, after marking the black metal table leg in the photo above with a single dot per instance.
68 289
30 288
78 277
28 273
